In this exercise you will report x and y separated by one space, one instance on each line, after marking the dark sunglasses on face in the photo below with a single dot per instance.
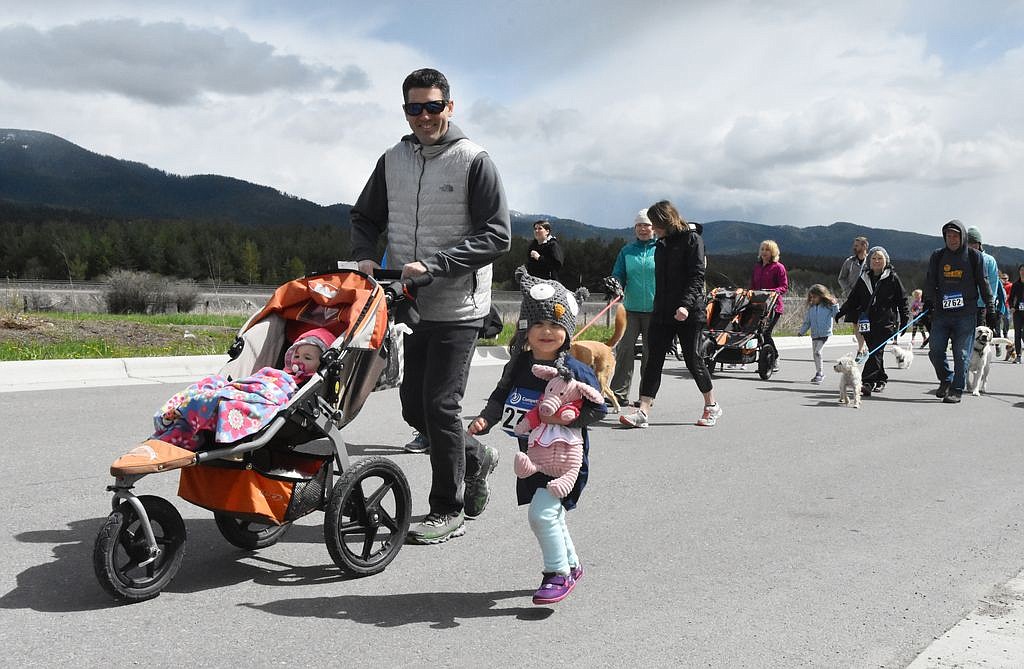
432 107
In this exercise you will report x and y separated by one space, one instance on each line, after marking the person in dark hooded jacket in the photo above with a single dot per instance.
679 310
878 304
955 280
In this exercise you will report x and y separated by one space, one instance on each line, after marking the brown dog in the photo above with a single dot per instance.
600 356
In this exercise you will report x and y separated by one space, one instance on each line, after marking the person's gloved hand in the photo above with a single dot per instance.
611 287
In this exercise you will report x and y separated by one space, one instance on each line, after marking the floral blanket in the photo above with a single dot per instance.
229 409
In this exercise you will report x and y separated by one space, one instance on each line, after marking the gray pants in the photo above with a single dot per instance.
637 323
817 343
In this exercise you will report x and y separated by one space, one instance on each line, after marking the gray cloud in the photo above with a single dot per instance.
161 63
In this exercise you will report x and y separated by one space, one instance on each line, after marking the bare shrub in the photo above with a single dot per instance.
130 292
186 295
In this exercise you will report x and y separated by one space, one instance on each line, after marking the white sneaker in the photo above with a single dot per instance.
710 417
635 419
818 378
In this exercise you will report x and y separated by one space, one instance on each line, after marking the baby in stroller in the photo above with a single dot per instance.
228 410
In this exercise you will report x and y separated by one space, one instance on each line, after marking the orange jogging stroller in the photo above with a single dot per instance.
295 464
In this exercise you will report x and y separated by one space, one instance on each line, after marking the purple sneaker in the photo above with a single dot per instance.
553 589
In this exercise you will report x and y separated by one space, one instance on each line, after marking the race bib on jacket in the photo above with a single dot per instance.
952 300
517 404
863 325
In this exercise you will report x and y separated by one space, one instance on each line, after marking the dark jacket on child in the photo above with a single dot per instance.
516 393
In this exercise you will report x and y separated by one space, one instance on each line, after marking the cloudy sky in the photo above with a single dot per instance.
893 114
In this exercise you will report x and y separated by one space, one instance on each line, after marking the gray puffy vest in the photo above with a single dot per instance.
428 211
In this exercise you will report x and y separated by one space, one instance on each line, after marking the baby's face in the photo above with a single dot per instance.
308 357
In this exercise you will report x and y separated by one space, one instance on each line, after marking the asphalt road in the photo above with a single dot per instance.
797 533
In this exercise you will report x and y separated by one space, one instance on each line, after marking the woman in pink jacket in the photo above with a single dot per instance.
770 274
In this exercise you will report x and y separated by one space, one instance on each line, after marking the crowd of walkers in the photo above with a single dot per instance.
438 200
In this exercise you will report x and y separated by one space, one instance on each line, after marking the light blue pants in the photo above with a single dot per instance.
547 520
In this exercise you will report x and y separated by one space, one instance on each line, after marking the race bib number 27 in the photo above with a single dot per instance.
518 403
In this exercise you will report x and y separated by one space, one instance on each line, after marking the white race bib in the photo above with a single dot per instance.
952 300
863 325
517 404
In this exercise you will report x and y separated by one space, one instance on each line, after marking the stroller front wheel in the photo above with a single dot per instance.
248 534
368 516
121 557
766 361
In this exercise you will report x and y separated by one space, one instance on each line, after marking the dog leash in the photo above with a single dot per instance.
599 314
865 356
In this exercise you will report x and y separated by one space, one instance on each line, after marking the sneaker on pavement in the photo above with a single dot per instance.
437 528
636 419
818 378
419 444
710 416
943 389
952 397
477 491
554 588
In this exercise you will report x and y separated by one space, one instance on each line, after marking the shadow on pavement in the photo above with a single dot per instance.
441 610
67 584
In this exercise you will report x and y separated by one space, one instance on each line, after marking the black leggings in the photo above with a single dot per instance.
1018 326
661 340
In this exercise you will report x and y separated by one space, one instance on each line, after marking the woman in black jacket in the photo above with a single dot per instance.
1016 303
545 256
679 309
878 307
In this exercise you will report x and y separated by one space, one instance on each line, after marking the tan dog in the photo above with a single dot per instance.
601 356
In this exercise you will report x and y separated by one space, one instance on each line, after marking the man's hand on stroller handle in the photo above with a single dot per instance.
414 269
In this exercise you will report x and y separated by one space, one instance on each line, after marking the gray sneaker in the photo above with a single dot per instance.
477 492
437 528
419 444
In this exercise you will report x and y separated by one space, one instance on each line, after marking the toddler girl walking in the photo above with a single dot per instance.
547 321
822 308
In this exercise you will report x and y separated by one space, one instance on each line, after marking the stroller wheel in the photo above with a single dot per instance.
766 361
368 516
248 534
121 548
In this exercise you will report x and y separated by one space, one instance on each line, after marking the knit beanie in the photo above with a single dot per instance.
319 337
641 218
974 234
871 252
547 300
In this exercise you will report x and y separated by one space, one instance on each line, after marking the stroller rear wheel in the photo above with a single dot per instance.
766 361
121 550
368 516
248 534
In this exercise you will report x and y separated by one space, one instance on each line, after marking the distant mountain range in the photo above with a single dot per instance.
38 168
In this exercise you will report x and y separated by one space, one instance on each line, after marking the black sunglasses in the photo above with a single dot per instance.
433 107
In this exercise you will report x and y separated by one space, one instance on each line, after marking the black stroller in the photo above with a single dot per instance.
295 464
737 321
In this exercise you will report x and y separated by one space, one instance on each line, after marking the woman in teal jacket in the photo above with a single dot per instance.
634 269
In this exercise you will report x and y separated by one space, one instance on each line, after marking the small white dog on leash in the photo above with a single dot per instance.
849 380
904 356
981 359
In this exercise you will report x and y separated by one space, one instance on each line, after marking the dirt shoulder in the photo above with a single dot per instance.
27 330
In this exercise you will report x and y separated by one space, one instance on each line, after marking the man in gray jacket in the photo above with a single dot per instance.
439 199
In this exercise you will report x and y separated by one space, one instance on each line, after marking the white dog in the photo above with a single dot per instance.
904 356
981 358
849 380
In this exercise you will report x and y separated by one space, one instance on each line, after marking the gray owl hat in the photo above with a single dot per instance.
547 300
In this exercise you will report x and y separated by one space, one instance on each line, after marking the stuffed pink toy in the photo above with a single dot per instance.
554 448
